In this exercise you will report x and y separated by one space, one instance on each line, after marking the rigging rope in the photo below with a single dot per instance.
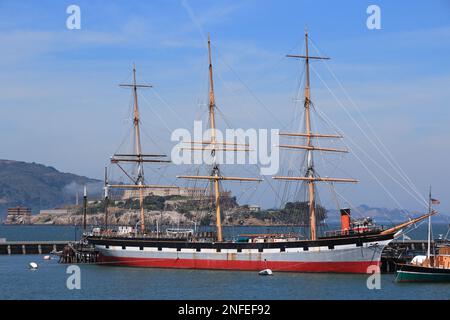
392 162
395 165
361 149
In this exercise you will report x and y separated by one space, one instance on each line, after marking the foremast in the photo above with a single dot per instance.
213 146
137 157
310 176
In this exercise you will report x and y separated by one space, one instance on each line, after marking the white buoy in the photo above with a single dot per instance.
266 272
33 265
47 258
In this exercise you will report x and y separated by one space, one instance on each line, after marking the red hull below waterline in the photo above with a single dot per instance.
328 267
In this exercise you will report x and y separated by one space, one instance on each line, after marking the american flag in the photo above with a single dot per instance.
435 201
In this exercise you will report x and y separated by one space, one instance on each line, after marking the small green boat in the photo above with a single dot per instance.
429 268
414 273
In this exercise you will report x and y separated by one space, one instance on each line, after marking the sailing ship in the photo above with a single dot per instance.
429 268
350 250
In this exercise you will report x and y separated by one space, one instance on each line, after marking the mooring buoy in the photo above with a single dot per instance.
266 272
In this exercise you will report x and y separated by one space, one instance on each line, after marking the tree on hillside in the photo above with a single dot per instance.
299 211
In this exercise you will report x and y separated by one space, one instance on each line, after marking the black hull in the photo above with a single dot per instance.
420 269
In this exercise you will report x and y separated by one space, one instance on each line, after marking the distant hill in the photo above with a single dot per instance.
384 214
379 214
39 187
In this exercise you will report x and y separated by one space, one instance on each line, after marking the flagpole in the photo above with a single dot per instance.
429 229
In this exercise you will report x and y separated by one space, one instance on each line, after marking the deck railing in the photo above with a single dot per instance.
351 232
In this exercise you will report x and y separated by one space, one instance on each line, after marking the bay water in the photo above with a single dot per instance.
50 280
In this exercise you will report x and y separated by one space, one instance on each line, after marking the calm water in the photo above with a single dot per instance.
44 232
103 282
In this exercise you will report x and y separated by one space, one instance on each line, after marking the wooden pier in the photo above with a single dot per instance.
78 253
401 251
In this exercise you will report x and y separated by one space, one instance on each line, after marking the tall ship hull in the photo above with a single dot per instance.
334 255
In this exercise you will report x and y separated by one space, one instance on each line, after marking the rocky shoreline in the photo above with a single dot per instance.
131 218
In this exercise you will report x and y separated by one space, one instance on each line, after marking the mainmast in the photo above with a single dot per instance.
310 176
212 122
310 163
213 145
137 157
138 150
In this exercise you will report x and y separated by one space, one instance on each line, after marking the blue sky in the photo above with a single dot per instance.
60 104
